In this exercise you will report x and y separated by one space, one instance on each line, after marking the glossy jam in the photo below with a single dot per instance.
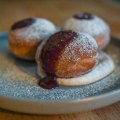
48 82
86 16
23 23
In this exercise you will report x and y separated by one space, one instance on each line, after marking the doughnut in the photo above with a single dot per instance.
26 35
91 24
66 54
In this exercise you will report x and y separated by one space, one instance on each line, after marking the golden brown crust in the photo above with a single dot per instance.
69 67
102 40
23 48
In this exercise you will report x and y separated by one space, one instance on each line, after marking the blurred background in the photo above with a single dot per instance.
58 11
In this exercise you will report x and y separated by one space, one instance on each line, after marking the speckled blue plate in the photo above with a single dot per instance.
20 92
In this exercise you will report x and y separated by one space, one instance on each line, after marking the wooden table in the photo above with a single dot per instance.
58 11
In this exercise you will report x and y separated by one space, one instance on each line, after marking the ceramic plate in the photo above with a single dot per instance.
19 90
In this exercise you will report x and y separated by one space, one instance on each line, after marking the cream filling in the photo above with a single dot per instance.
103 69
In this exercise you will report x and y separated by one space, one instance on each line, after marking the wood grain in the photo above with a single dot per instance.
107 113
58 11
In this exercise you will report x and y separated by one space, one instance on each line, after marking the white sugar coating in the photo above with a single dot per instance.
41 29
86 42
39 60
95 26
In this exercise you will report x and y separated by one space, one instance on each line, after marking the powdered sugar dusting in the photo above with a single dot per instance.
41 29
85 43
95 26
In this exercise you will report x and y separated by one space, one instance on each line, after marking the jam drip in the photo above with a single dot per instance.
86 16
48 82
23 23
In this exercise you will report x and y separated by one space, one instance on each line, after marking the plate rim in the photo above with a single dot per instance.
44 108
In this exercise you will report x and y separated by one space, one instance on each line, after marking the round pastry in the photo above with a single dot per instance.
66 54
91 24
27 34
